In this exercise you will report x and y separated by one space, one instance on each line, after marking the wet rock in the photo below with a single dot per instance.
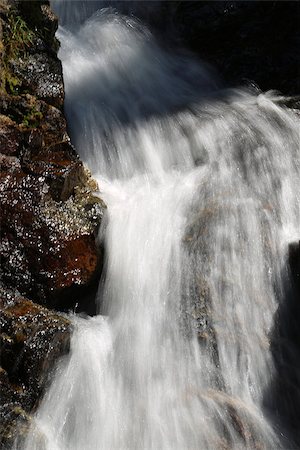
10 136
15 422
49 216
47 247
41 74
197 247
32 339
236 419
30 61
40 17
9 162
283 394
29 117
59 165
15 425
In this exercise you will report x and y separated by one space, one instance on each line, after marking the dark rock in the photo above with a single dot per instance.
30 62
294 261
15 424
28 123
283 394
246 41
41 74
40 17
9 163
238 38
32 338
10 136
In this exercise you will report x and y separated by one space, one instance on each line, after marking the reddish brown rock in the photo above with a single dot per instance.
59 165
10 136
47 247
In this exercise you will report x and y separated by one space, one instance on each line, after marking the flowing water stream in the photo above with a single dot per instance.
202 187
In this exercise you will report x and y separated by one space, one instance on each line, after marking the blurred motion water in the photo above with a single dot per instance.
202 187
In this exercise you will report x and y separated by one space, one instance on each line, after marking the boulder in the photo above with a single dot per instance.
48 247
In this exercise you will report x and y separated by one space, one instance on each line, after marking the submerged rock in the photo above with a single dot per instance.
32 338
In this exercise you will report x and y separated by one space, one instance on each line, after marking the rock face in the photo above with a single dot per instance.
30 62
32 338
48 214
47 246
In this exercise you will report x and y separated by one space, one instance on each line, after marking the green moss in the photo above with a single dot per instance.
10 83
17 38
33 118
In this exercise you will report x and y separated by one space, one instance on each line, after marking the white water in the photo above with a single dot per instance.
202 191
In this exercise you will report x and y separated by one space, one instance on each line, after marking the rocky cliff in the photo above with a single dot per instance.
49 214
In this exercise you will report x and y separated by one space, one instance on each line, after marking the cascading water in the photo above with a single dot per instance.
202 188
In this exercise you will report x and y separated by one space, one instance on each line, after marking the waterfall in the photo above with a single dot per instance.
202 186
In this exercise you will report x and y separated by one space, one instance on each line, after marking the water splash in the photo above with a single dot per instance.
202 188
